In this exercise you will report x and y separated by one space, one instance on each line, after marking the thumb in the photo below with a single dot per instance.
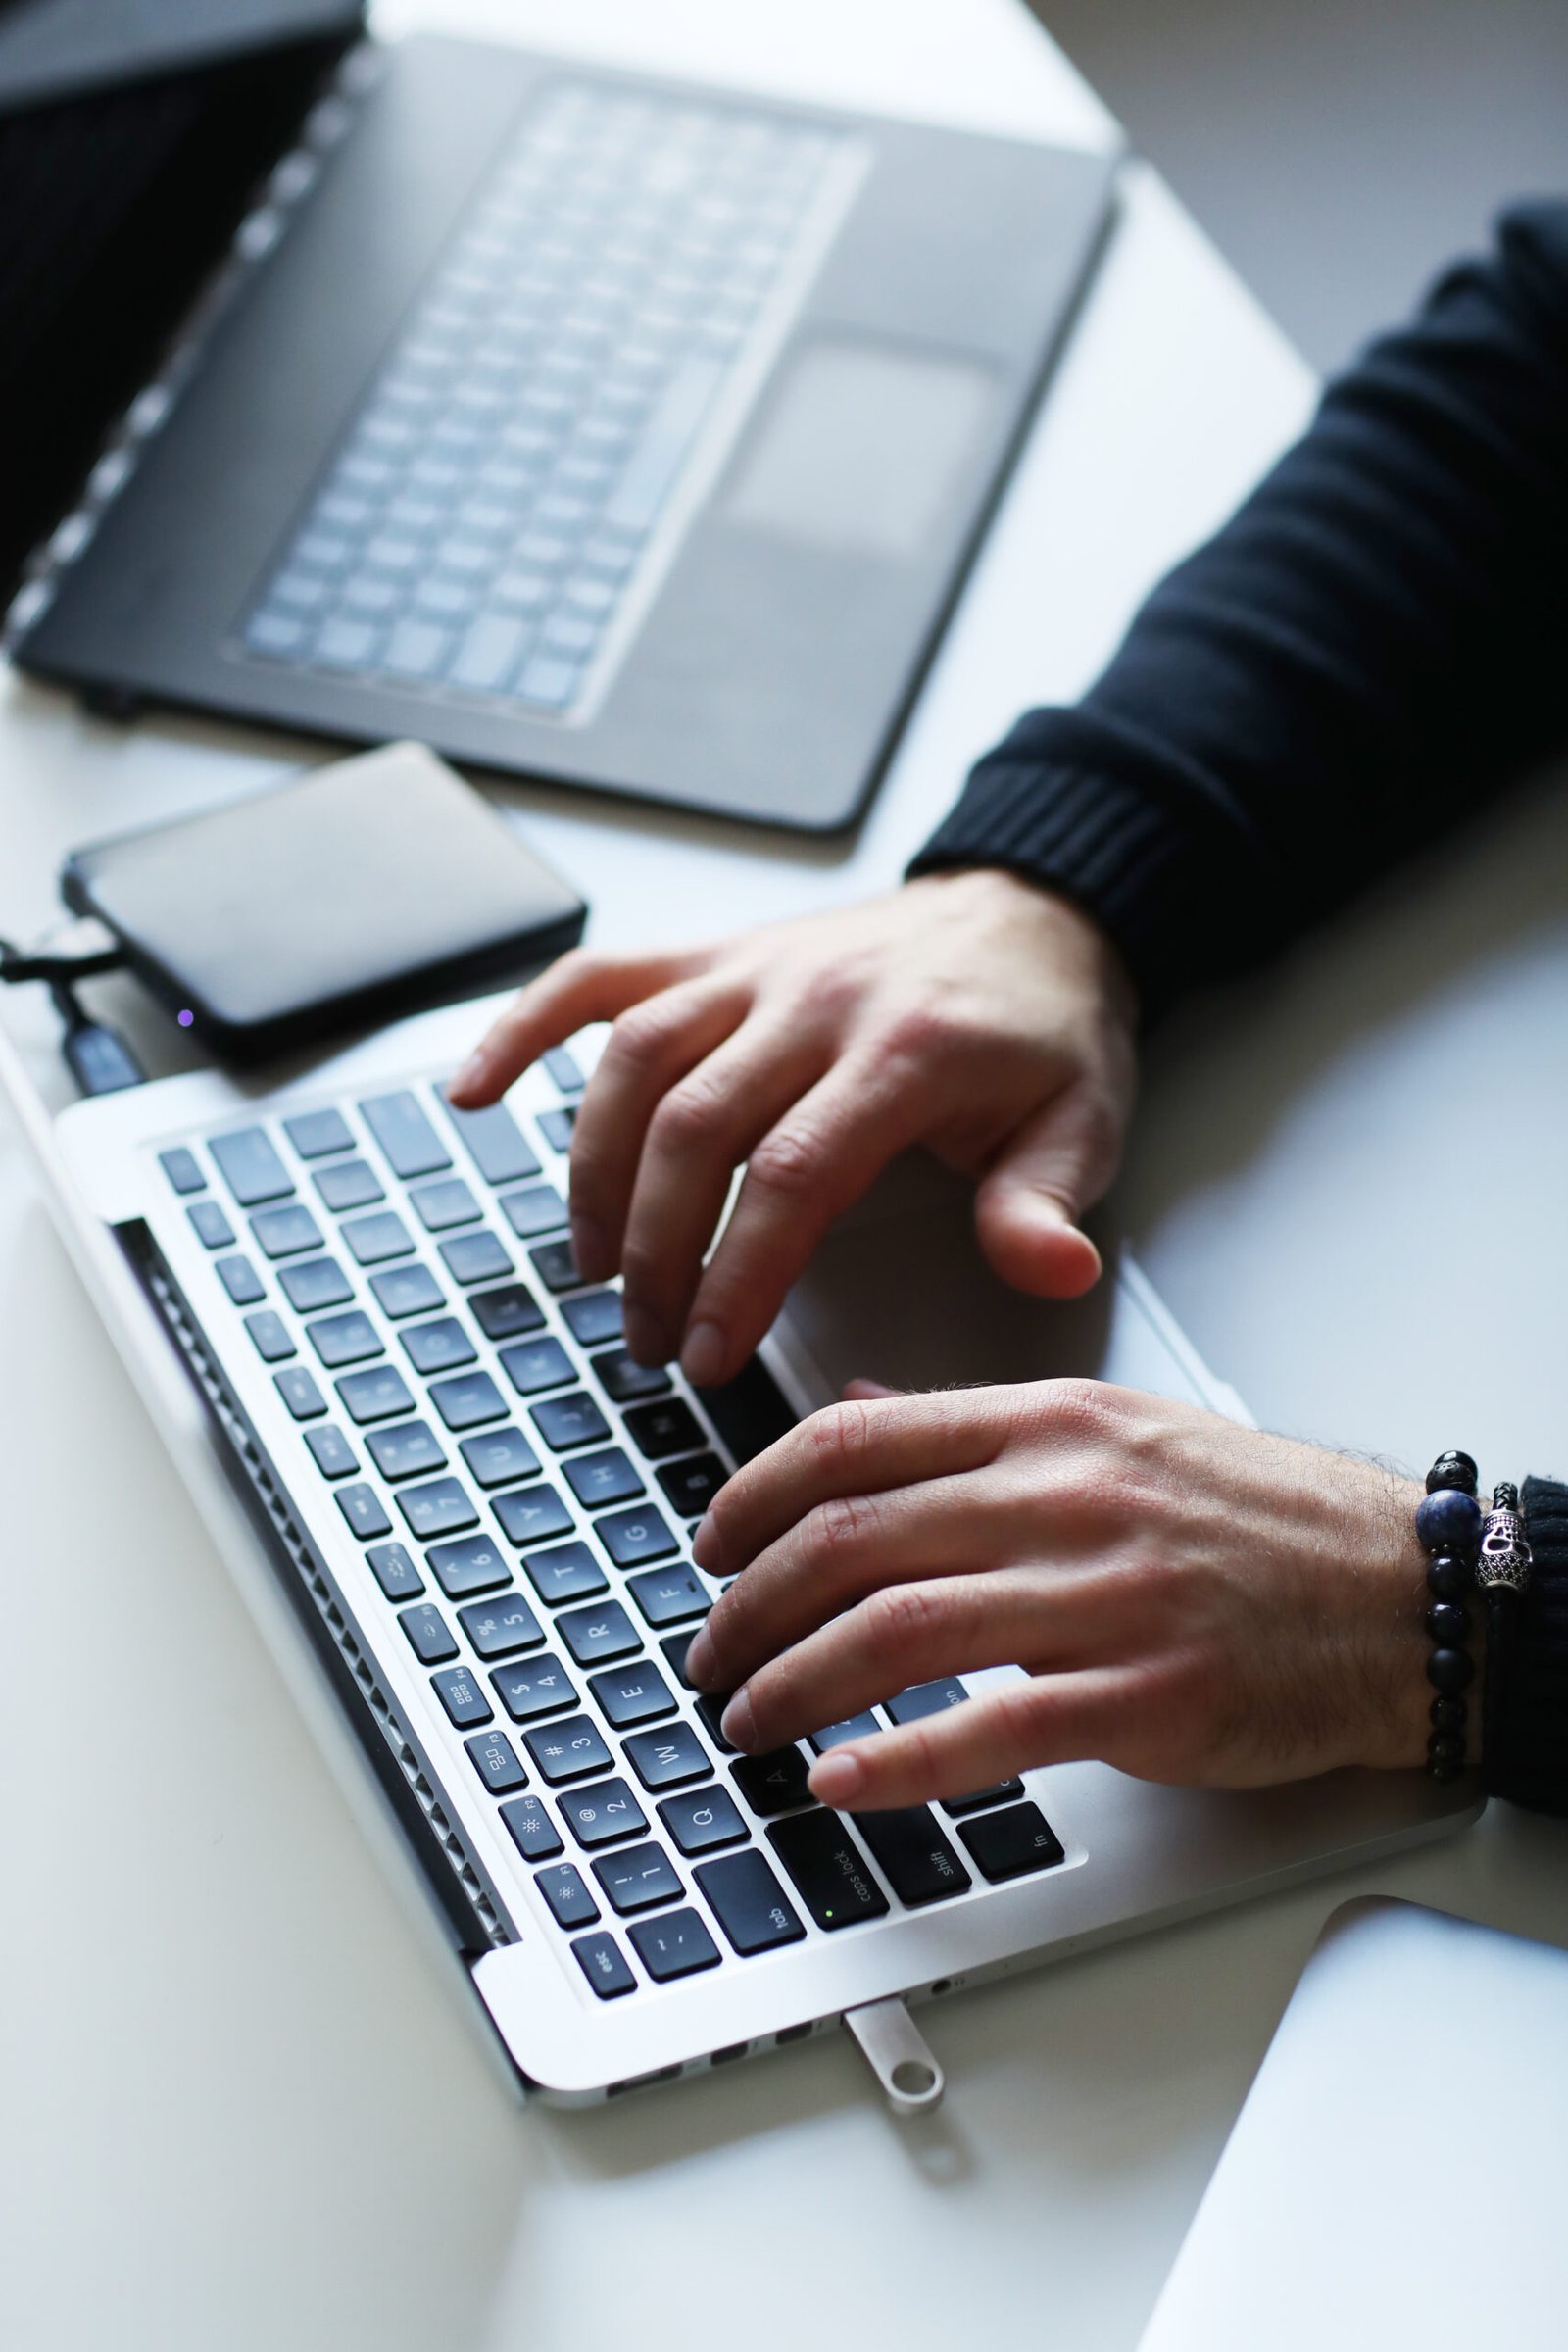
1027 1206
865 1392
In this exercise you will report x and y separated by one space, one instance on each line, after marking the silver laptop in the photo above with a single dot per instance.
461 1514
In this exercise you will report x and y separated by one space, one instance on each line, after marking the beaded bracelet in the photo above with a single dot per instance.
1447 1522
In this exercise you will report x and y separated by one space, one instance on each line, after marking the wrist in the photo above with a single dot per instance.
1078 947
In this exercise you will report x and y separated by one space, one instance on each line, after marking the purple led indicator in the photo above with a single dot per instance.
185 1018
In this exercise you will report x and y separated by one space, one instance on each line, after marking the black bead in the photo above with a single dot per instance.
1450 1671
1448 1576
1452 1469
1448 1520
1448 1624
1444 1772
1447 1714
1442 1749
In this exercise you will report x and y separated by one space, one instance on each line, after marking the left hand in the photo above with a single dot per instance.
1190 1602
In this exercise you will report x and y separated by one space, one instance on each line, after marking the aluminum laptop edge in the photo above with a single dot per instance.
898 1292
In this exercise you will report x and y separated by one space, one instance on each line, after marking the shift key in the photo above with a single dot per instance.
828 1870
916 1858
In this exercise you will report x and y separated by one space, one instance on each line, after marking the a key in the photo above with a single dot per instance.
567 1572
599 1479
666 1595
183 1169
340 1339
596 1635
299 1393
594 1317
561 1063
604 1964
213 1229
505 1313
350 1183
406 1135
691 1485
623 1380
500 1457
702 1820
361 1506
852 1727
632 1694
774 1782
395 1572
927 1698
376 1238
633 1536
440 1508
639 1880
269 1336
555 1264
406 1291
429 1635
1001 1792
467 1402
460 1695
533 1833
827 1870
476 1257
570 1750
532 1517
534 1365
439 1346
663 1429
314 1283
914 1855
315 1133
285 1232
334 1456
601 1814
538 1209
444 1204
404 1450
495 1760
676 1944
374 1396
556 1126
494 1143
461 1569
1006 1845
532 1688
564 1890
497 1627
568 1421
667 1758
749 1903
240 1280
250 1166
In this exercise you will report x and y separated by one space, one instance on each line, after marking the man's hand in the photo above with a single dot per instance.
971 1012
1192 1602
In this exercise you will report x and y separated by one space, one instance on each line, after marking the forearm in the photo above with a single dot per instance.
1352 663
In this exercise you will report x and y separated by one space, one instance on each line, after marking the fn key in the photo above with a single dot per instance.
1004 1845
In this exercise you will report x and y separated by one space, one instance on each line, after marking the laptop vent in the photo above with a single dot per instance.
274 1502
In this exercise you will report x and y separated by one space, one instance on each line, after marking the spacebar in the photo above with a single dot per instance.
659 456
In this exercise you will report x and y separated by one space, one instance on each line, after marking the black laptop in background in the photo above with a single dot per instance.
588 426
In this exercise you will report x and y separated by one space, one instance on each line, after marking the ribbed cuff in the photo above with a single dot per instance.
1526 1738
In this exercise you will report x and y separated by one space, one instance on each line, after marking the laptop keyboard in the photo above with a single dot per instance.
524 1495
493 522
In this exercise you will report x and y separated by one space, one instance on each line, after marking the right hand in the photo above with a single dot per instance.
972 1013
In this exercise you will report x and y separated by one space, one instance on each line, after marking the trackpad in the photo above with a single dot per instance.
863 448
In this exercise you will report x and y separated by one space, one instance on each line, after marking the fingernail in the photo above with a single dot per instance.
645 1336
705 1544
702 1665
469 1076
836 1779
702 1358
736 1722
589 1247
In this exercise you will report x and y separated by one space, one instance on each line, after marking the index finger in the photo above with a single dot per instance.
578 987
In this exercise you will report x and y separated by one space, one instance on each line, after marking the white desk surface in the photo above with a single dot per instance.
241 2109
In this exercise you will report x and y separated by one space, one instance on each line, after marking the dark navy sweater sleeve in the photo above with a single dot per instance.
1376 643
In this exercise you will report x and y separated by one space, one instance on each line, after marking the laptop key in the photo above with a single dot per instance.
700 1820
664 1429
556 1265
749 1903
666 1595
535 1688
362 1508
596 1635
555 1127
314 1283
395 1572
269 1335
565 1892
374 1396
445 1204
476 1257
603 1963
568 1421
594 1317
473 1565
711 1710
495 1760
633 1694
532 1517
639 1880
378 1237
500 1457
534 1365
603 1814
407 1291
914 1855
429 1635
467 1402
213 1229
852 1727
624 1381
539 1209
499 1627
439 1346
183 1169
568 1571
774 1782
340 1339
561 1063
460 1695
571 1751
299 1393
828 1873
494 1141
667 1758
533 1833
240 1280
334 1456
676 1945
315 1133
1006 1845
250 1166
598 1479
691 1485
406 1135
632 1536
505 1313
1001 1793
675 1647
404 1450
285 1232
440 1508
927 1698
349 1184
